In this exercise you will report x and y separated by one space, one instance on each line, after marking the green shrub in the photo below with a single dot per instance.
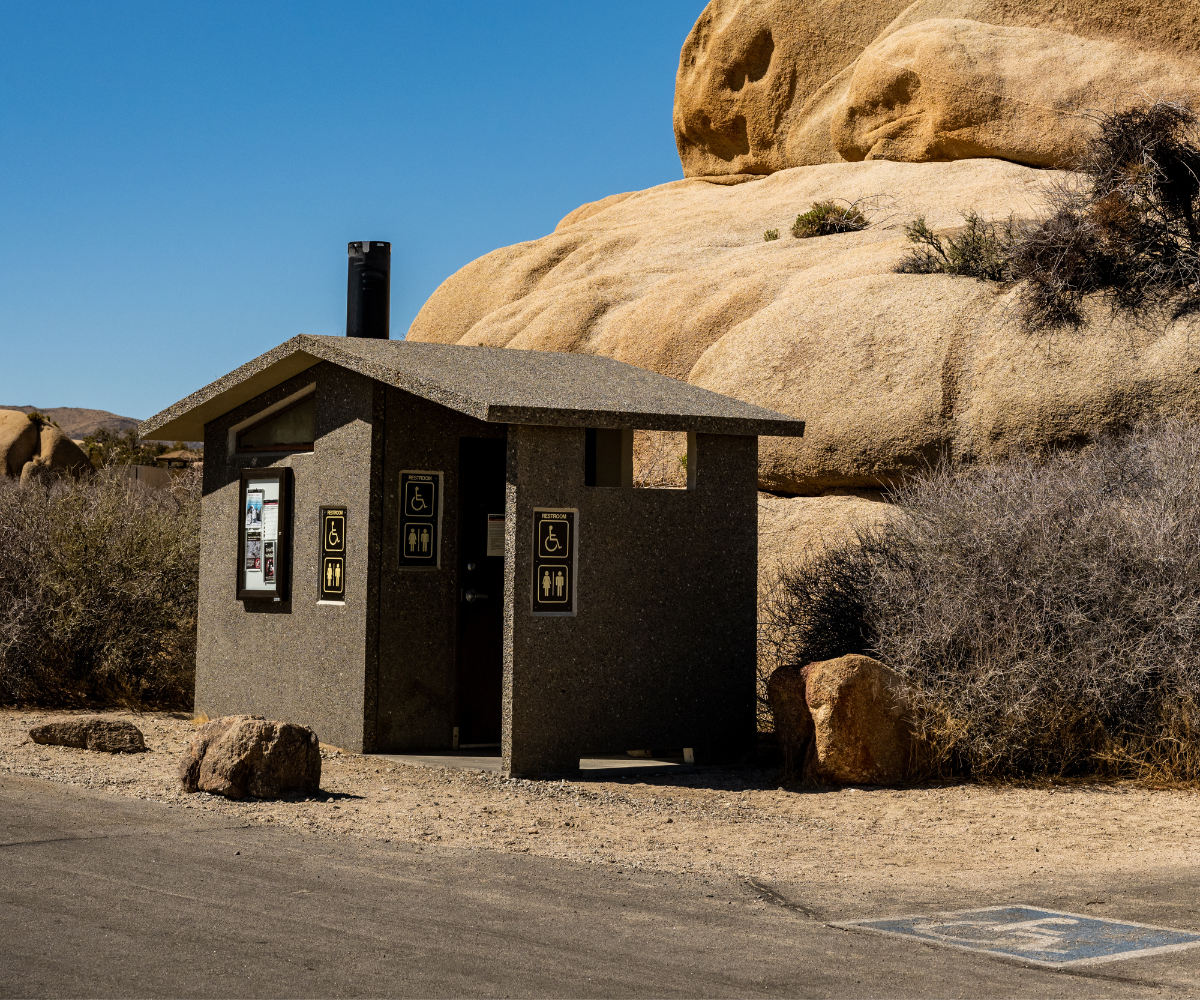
1046 613
828 217
98 591
771 234
978 250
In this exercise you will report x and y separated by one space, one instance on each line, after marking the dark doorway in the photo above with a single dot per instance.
480 589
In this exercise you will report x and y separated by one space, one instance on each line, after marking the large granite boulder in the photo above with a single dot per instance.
18 441
90 732
241 755
891 371
764 85
947 89
843 721
860 715
57 453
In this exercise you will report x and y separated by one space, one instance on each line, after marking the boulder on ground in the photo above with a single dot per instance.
860 718
59 452
90 732
18 441
241 755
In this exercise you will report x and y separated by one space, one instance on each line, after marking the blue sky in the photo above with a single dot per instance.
179 182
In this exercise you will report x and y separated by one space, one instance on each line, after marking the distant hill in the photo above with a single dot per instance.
75 422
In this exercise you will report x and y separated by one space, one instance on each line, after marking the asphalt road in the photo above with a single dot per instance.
106 896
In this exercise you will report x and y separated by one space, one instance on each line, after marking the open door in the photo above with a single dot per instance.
481 463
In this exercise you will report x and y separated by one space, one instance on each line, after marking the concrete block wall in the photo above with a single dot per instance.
661 652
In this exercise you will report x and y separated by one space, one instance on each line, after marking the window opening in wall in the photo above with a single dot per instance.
290 429
660 460
608 457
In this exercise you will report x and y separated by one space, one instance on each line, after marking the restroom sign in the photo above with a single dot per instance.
555 545
332 584
420 519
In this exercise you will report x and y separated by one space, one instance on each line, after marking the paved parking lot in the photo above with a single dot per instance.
110 896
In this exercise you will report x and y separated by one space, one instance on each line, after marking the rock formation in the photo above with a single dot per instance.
29 448
851 102
19 441
764 85
241 755
891 371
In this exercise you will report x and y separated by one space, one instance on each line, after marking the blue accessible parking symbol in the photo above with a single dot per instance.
1041 937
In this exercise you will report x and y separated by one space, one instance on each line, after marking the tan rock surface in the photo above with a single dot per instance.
953 89
59 452
890 370
793 529
18 441
761 82
859 718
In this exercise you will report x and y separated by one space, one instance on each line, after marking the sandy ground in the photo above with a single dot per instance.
733 823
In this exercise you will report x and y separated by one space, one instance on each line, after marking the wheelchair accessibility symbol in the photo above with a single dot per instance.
554 539
418 499
335 538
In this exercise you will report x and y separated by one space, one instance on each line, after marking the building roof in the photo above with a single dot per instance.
497 385
180 455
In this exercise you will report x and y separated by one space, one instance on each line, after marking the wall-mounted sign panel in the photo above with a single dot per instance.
555 545
332 583
263 530
420 519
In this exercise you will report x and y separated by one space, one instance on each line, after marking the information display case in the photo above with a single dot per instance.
263 531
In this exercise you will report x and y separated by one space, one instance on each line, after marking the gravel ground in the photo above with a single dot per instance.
847 842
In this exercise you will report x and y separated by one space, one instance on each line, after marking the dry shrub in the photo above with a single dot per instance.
1123 227
98 591
1046 613
660 459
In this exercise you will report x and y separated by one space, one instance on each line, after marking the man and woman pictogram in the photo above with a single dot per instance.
554 585
417 540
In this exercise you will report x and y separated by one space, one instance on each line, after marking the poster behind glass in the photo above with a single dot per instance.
260 549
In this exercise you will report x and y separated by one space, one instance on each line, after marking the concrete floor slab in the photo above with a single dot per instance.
603 767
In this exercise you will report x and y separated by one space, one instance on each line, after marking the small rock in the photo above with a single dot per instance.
793 721
242 755
90 732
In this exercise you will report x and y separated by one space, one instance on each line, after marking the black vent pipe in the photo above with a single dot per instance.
369 290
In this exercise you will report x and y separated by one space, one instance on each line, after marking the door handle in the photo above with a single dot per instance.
472 596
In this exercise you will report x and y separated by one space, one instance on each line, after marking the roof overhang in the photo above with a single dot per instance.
496 385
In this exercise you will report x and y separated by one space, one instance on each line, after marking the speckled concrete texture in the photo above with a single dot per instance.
295 660
418 610
491 384
661 652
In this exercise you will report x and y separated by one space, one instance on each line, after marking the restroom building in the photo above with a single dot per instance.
422 547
